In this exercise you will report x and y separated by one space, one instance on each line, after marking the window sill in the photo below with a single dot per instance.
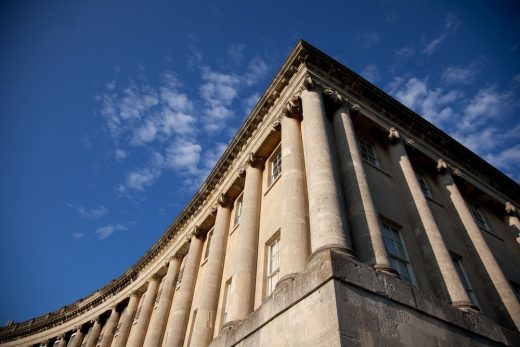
272 184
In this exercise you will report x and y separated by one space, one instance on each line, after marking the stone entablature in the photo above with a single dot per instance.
306 68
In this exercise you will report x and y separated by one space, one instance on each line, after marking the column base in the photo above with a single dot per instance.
387 270
465 306
285 279
337 248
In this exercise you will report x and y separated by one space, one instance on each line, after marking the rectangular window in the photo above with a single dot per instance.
273 266
275 164
457 261
367 152
424 185
208 243
479 218
398 257
225 304
238 210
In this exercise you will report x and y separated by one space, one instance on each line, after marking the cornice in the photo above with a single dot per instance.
314 61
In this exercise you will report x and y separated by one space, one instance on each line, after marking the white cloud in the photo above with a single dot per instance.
403 53
184 154
250 102
236 53
94 213
461 74
77 235
371 73
506 159
451 24
107 230
139 179
486 104
120 154
257 70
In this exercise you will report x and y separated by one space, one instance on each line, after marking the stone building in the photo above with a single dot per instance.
336 216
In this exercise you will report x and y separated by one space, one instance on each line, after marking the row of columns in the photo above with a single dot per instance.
320 194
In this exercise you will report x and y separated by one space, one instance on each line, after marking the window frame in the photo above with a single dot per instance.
209 235
226 301
271 272
275 165
466 283
238 210
367 150
423 184
479 218
405 258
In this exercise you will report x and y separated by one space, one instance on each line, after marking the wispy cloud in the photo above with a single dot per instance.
107 230
371 73
93 213
236 53
368 39
461 74
451 24
77 236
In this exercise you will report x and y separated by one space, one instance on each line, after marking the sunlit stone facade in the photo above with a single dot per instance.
336 216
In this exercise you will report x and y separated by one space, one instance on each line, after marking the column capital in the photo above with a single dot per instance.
224 201
94 320
196 232
292 107
335 97
136 293
60 337
442 166
254 161
511 210
277 123
393 136
155 277
309 83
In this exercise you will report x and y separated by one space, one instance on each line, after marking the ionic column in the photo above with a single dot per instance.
328 227
94 333
127 320
206 311
181 308
491 266
155 333
244 276
452 281
139 330
61 341
294 236
361 211
110 328
512 219
78 338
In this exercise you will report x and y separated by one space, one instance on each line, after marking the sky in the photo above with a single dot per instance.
112 113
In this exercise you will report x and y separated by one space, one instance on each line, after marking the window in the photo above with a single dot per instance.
273 266
479 218
397 252
424 185
238 210
225 304
208 243
457 261
275 164
367 152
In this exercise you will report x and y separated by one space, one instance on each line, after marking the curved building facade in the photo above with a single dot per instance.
335 217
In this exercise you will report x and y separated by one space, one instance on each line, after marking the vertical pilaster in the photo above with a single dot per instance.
180 312
110 328
138 332
244 277
294 236
127 320
328 227
94 333
495 273
155 332
206 311
361 211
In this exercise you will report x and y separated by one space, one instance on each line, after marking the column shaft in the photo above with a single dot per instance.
491 266
139 330
361 211
155 333
78 338
244 277
206 311
110 328
94 334
180 313
62 342
127 320
452 281
328 228
294 236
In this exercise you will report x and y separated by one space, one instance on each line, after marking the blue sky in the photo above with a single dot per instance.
113 112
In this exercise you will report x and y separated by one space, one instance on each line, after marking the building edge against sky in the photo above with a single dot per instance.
367 225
